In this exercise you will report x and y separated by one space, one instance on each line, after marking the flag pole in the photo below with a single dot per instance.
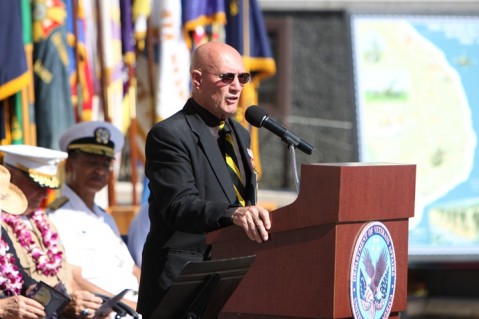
103 73
246 40
246 52
79 89
104 94
133 130
151 64
28 92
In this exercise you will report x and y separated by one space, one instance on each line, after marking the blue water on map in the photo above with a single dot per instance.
464 58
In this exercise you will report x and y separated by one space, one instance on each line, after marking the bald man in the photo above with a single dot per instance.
191 189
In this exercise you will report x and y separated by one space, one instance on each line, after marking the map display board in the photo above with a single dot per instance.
416 81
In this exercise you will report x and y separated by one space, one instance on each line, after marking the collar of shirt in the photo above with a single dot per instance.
75 201
207 117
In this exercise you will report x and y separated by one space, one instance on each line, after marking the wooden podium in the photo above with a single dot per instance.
303 270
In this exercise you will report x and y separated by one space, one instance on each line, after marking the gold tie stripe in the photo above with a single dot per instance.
227 147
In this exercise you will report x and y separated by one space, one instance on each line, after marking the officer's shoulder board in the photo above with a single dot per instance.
57 203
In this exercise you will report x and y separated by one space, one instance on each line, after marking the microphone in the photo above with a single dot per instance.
258 117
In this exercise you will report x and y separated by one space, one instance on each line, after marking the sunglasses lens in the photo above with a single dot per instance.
227 78
243 78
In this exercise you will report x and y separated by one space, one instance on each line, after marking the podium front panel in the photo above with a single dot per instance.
303 271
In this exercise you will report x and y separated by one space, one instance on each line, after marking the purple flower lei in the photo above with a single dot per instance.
48 261
11 281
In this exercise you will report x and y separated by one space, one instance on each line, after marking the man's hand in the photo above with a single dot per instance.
254 220
20 307
83 304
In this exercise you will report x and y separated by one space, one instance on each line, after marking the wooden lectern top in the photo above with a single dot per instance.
345 192
348 192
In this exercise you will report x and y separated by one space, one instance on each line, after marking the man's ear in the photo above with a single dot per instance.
196 78
68 163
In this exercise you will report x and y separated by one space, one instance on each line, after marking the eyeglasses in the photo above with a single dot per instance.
228 78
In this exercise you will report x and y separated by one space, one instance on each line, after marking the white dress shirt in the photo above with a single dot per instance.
92 242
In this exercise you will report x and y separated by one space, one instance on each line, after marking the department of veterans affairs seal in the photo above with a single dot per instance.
373 273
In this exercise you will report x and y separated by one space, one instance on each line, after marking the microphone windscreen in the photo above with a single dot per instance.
255 115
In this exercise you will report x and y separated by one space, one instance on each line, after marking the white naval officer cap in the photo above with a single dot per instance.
93 137
39 163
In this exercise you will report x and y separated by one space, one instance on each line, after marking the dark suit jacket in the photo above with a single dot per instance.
190 191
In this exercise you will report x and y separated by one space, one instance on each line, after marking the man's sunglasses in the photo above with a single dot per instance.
228 78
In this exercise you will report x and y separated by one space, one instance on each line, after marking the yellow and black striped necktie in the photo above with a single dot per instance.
225 141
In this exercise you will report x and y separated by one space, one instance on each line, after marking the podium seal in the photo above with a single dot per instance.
373 273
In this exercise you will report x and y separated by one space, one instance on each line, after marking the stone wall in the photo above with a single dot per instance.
322 109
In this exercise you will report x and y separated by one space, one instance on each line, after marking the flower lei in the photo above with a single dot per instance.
11 281
48 261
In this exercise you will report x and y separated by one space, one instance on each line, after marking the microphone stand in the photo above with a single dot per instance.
292 149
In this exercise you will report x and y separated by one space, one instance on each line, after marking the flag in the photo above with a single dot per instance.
14 73
13 63
79 65
127 32
245 31
141 10
22 129
176 22
28 94
53 105
128 65
203 21
130 151
174 58
112 61
91 29
164 88
177 27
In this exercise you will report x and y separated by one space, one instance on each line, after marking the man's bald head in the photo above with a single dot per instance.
211 64
210 53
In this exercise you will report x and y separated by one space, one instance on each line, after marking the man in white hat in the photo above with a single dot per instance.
13 282
34 171
90 235
34 238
